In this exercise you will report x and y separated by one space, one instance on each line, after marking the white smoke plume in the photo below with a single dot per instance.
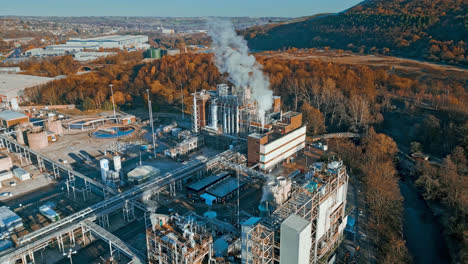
232 57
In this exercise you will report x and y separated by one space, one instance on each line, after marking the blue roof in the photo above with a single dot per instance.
10 115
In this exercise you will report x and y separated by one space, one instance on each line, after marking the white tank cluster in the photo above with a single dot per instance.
281 189
108 176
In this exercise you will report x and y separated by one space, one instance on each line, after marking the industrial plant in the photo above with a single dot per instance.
235 181
225 185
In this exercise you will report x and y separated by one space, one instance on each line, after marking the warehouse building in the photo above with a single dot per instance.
109 42
12 87
10 118
224 189
9 221
201 185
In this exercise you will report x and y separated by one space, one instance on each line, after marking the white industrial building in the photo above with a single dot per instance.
74 45
307 227
9 220
295 240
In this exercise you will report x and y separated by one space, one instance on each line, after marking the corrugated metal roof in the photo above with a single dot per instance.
11 115
12 85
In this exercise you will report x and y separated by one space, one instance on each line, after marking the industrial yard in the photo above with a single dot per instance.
93 185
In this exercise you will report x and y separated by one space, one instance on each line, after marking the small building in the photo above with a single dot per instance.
10 118
21 174
127 120
142 173
184 147
9 221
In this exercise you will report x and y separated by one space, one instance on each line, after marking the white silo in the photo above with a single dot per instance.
117 163
104 168
214 114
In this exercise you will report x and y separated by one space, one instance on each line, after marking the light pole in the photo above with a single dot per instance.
113 103
150 111
69 255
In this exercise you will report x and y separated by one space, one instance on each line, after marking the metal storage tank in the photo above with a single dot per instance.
37 140
117 163
113 178
104 164
55 126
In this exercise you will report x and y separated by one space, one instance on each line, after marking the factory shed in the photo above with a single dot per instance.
9 220
10 118
201 185
224 189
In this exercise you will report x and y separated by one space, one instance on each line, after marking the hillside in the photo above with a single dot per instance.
434 30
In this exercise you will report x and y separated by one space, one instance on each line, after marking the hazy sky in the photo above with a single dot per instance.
184 8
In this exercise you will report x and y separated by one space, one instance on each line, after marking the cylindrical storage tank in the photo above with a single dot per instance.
117 163
281 180
55 126
113 178
38 140
104 164
272 184
214 114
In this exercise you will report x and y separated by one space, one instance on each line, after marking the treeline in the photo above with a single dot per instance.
179 41
447 186
372 162
49 67
91 90
347 97
431 30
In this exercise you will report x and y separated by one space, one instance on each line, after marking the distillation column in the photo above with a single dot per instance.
224 120
238 120
214 115
195 115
